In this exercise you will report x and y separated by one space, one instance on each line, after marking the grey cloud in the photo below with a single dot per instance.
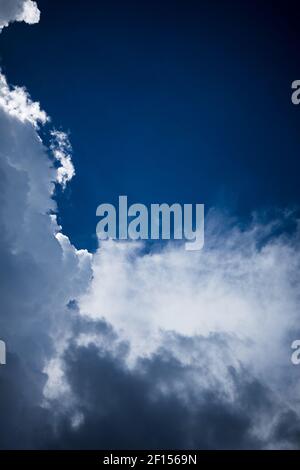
144 408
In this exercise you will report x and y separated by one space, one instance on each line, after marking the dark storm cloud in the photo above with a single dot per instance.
144 407
24 424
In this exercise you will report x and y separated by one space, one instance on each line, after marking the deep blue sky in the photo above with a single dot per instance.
166 101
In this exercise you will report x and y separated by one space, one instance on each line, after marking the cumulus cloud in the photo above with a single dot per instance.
18 10
126 348
193 342
244 284
162 403
16 102
222 319
40 270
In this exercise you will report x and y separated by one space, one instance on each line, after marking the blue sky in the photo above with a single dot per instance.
166 101
118 346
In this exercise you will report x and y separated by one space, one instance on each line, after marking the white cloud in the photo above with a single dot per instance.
16 102
231 286
243 287
40 270
18 10
30 13
61 149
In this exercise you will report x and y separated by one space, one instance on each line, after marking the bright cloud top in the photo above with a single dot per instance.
16 102
244 283
18 10
242 287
